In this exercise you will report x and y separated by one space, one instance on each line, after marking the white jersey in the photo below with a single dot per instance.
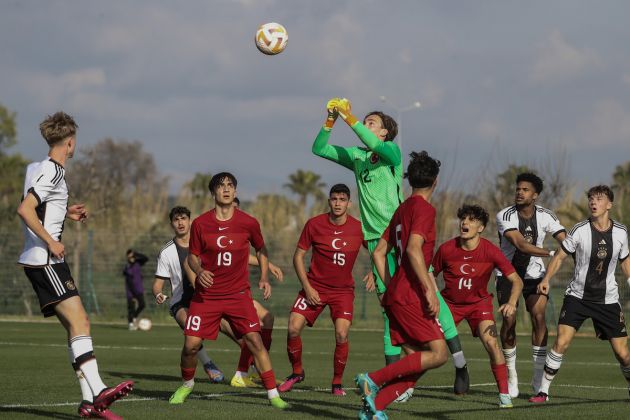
170 263
46 181
533 230
596 255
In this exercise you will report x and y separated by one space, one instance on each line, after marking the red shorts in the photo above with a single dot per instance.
474 313
204 315
341 306
409 324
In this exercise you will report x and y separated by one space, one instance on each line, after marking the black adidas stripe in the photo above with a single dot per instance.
577 226
508 213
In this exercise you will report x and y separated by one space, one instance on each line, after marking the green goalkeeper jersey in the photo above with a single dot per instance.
378 172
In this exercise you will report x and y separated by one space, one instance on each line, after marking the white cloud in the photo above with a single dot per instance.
50 90
558 60
608 125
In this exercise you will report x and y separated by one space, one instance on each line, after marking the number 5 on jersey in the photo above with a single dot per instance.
339 258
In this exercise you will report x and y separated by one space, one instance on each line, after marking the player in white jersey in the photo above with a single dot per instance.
172 267
596 245
43 211
522 230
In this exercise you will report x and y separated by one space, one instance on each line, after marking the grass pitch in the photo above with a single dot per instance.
37 381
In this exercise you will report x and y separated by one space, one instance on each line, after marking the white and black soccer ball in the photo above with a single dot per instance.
145 324
271 38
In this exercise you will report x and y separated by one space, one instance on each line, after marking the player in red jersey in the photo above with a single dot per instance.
218 254
336 239
466 263
411 301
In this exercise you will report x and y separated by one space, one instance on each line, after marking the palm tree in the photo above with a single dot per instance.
305 184
621 184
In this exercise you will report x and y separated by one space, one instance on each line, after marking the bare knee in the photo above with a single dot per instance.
561 345
441 357
341 336
191 349
254 342
293 331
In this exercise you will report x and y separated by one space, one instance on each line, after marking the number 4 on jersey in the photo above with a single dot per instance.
467 283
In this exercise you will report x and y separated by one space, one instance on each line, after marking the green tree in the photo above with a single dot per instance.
8 131
305 184
195 193
621 185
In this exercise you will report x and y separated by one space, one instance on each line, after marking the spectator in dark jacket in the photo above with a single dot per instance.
134 286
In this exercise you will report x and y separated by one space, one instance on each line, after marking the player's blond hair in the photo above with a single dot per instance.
58 127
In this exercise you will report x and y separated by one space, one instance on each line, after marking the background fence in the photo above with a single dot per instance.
102 289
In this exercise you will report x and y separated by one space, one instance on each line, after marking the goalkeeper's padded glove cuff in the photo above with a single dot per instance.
349 119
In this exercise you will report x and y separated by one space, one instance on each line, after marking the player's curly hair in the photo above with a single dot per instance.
389 124
601 190
422 170
58 127
533 179
216 181
473 211
178 211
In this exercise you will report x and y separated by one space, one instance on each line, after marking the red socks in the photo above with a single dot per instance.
245 360
265 334
500 373
294 350
268 379
407 366
188 373
391 391
339 361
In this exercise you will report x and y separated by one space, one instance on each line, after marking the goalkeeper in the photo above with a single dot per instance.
377 168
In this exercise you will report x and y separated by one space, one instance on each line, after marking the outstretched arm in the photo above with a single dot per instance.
336 154
388 151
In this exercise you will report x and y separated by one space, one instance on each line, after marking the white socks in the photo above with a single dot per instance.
552 364
459 360
82 351
539 355
272 393
86 391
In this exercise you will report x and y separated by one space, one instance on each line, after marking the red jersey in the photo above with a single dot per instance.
223 247
335 249
414 215
466 273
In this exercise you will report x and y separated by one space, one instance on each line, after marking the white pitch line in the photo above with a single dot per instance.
235 394
236 350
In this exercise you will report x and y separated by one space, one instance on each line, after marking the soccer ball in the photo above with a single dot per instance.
144 324
271 38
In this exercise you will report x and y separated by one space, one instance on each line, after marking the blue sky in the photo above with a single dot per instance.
499 81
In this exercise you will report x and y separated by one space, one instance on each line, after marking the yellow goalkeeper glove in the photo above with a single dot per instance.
344 108
331 107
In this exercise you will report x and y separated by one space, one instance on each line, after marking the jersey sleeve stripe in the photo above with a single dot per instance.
508 213
162 277
577 226
58 175
549 212
169 243
508 230
566 250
